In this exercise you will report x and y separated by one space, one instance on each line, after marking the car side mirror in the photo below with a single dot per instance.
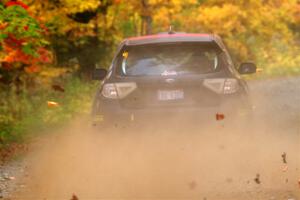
99 74
247 68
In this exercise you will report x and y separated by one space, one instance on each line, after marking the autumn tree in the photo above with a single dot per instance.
22 42
90 30
256 30
22 54
79 30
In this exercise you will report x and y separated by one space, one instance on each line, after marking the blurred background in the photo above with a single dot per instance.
49 47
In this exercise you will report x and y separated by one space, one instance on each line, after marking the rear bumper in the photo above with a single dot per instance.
160 113
112 111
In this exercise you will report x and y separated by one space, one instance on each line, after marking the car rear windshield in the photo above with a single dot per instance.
169 59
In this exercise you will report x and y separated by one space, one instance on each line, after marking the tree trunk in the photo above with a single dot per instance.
146 18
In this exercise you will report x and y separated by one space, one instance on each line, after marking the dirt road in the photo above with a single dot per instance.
181 162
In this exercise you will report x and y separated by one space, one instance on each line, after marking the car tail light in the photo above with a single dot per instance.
110 91
230 86
118 90
222 86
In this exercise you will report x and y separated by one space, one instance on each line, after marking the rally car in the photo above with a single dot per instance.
171 74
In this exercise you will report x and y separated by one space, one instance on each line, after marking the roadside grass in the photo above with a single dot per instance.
275 72
23 116
279 61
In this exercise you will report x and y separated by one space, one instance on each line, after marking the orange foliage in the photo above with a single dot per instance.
15 49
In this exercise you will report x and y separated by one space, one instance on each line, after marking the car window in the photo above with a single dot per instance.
168 59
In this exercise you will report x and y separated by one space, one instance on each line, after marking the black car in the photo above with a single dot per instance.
171 74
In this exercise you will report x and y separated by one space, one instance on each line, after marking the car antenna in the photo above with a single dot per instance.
170 30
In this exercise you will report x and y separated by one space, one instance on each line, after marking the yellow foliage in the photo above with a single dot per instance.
73 6
250 28
221 20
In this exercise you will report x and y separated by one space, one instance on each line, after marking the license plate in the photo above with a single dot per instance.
166 95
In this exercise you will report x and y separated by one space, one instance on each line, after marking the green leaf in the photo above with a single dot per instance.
27 49
3 36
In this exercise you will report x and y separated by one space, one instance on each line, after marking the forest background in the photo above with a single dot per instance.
48 48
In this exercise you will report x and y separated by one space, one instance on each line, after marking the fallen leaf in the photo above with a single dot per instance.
74 197
220 116
52 104
257 179
284 158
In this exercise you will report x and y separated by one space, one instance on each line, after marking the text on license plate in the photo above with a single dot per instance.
165 95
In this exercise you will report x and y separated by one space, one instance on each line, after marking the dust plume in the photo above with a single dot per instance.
175 158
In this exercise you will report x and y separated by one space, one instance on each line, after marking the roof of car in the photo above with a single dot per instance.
169 37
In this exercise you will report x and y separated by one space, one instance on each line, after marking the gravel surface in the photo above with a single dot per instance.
10 175
263 164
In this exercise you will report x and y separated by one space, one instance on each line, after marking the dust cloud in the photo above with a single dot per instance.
178 158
